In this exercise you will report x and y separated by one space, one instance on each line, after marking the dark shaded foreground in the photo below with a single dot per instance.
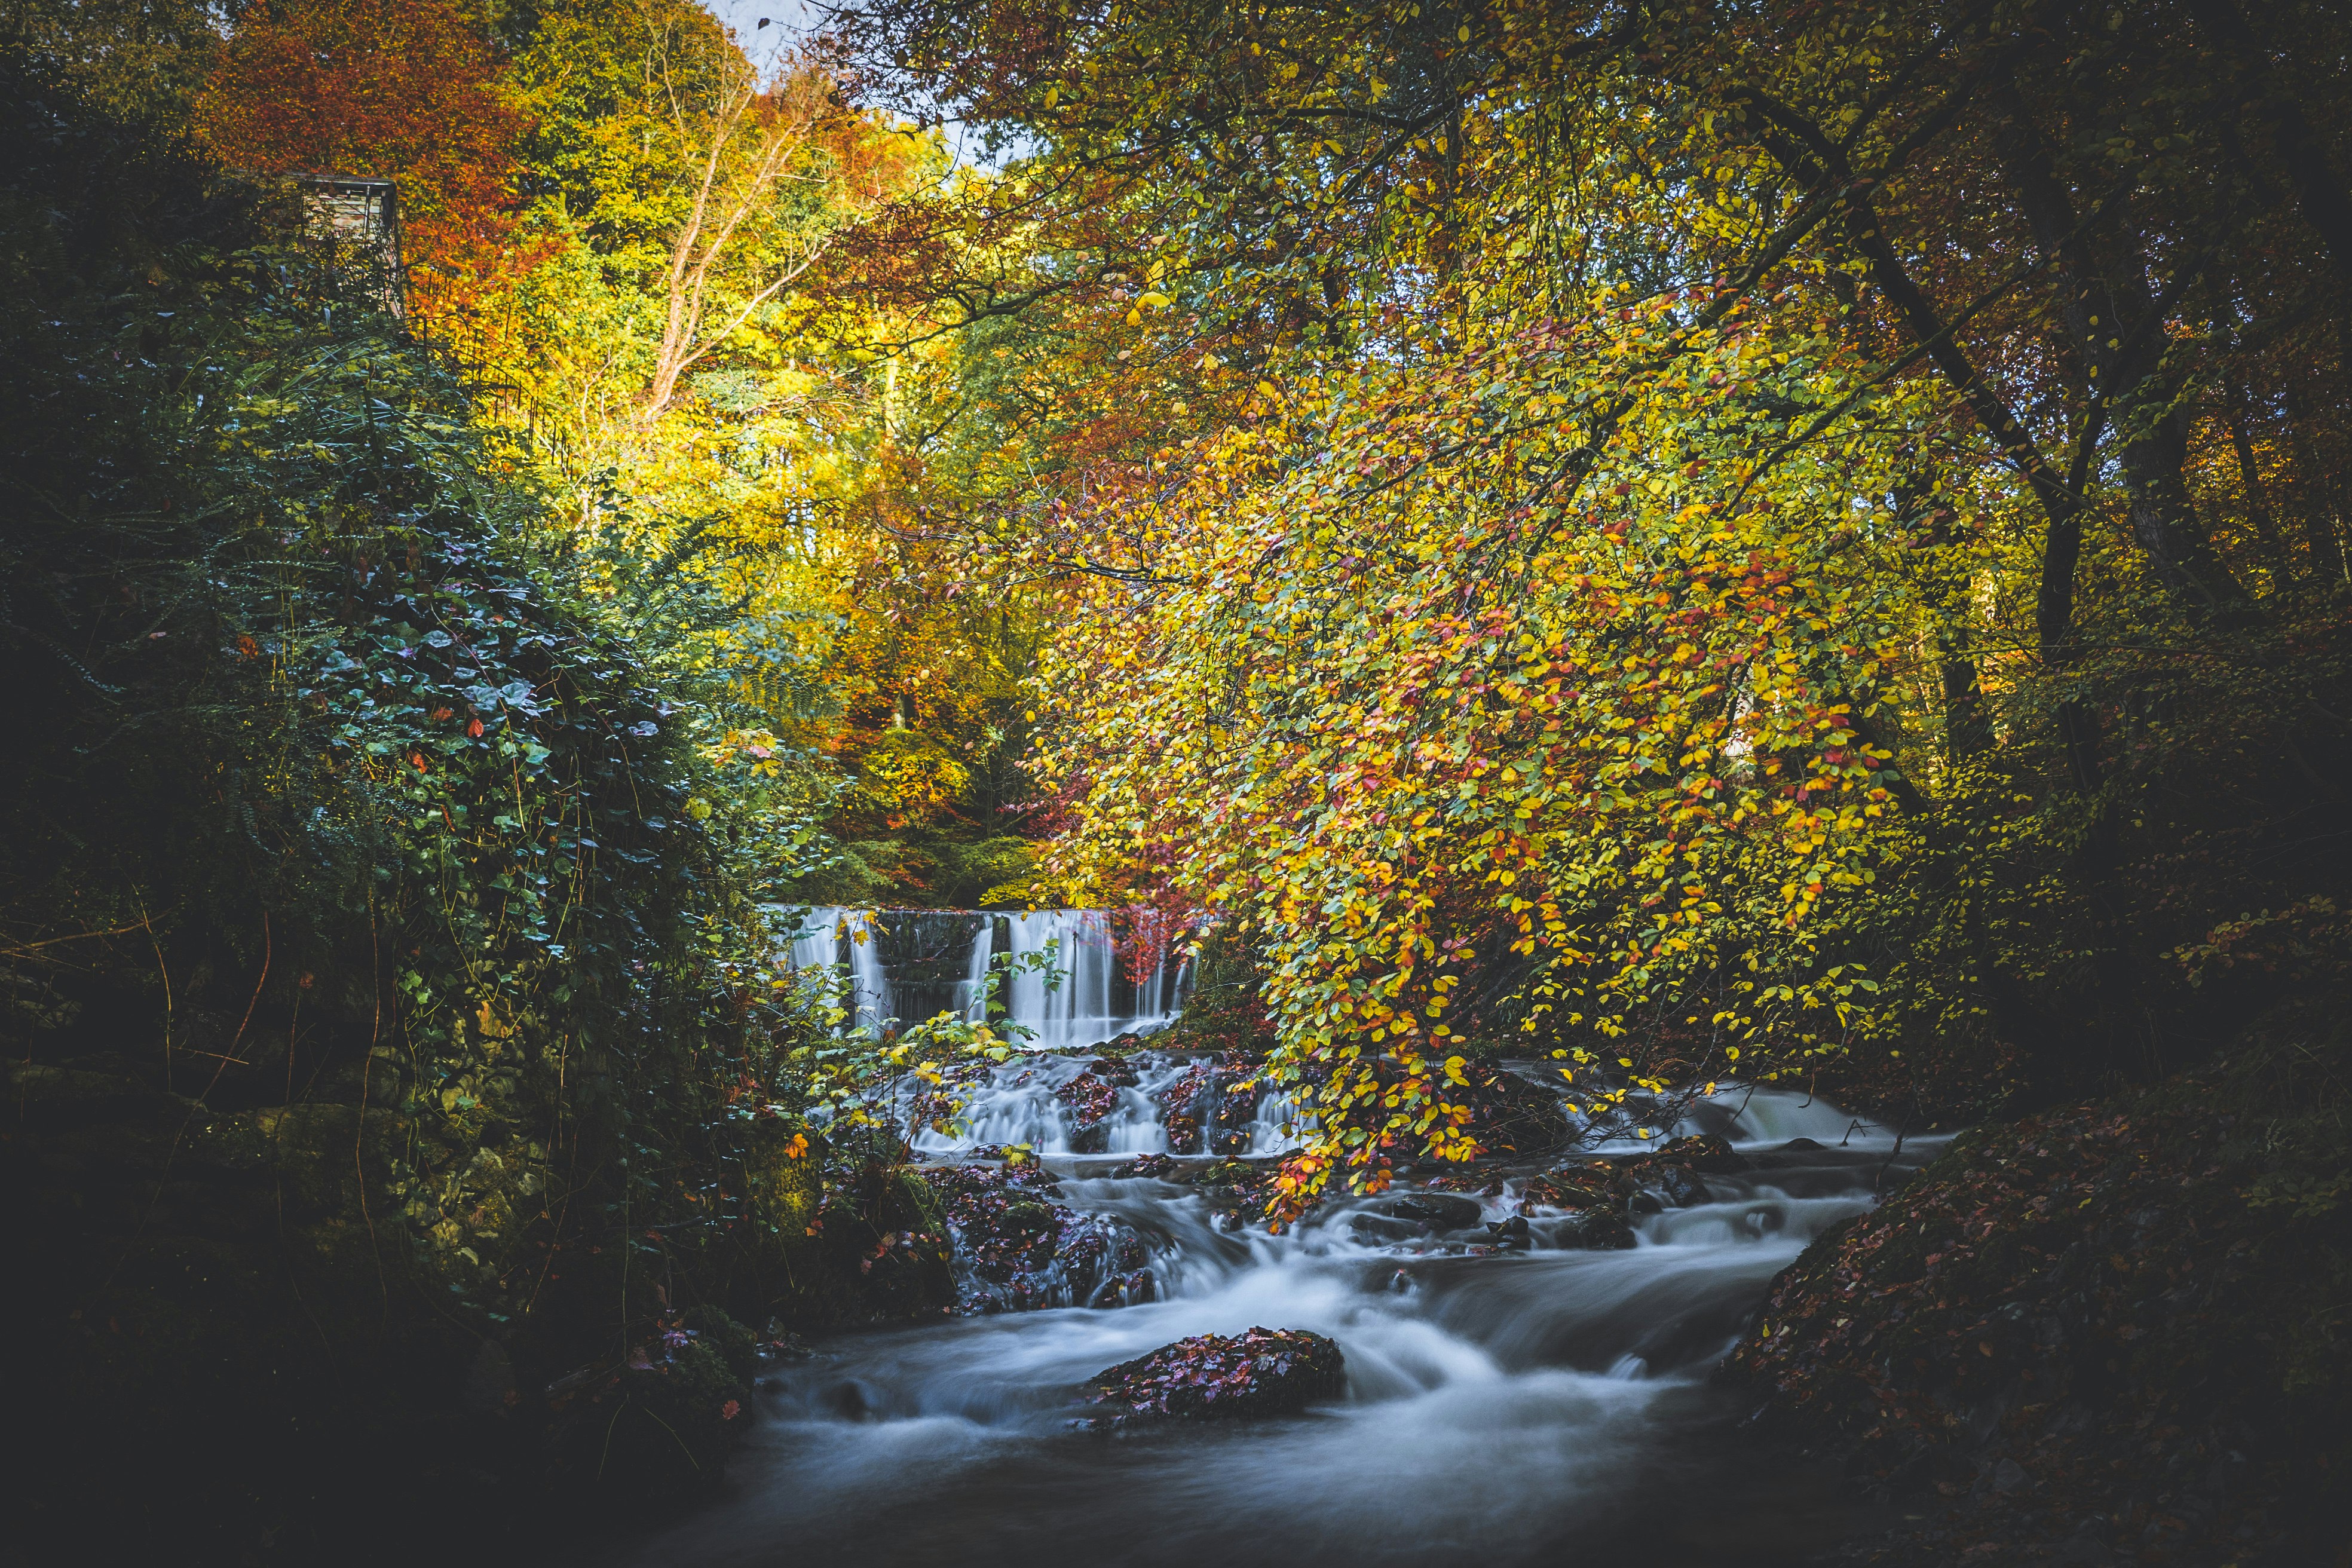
2110 1334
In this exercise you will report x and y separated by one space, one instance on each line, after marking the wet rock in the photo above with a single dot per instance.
1235 1191
779 1344
1210 1109
1597 1230
1157 1167
1707 1153
1512 1235
1680 1187
1365 1229
1015 1250
1264 1372
1594 1229
1099 1254
1585 1205
1485 1186
1235 1125
1087 1101
1181 1104
1569 1188
1800 1146
1440 1211
1671 1173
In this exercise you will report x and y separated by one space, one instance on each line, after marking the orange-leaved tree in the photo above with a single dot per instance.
403 89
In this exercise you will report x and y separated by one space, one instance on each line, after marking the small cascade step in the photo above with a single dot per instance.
912 965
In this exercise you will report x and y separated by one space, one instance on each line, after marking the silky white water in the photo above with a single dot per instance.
1500 1409
1016 1104
1070 984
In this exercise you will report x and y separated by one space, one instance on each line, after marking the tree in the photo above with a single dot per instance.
754 138
139 58
1727 537
403 89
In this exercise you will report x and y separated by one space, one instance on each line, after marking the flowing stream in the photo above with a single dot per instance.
1539 1407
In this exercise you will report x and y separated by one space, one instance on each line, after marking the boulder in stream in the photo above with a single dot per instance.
1708 1152
1680 1187
1582 1206
1439 1211
1234 1190
1016 1250
1569 1187
1209 1110
1087 1101
1596 1229
1671 1174
1265 1372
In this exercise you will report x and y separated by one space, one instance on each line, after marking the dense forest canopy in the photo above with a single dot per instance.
1732 540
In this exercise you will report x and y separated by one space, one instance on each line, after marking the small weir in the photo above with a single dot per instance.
1104 979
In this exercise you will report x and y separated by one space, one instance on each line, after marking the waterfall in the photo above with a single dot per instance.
914 964
1078 1012
832 936
973 1000
1022 1102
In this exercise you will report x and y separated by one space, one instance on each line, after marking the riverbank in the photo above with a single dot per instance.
2113 1333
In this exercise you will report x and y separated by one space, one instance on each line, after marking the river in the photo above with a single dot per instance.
1538 1407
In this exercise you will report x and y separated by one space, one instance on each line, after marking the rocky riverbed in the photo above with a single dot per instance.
1517 1362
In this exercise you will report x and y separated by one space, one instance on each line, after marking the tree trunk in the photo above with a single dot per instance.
2320 512
2106 312
2319 191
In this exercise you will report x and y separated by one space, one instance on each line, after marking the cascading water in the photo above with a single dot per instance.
1500 1408
834 937
1070 986
1079 1011
1025 1103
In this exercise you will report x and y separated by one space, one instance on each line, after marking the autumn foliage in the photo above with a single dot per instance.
403 89
1693 545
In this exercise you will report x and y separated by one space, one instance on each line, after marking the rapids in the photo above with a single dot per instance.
1500 1409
